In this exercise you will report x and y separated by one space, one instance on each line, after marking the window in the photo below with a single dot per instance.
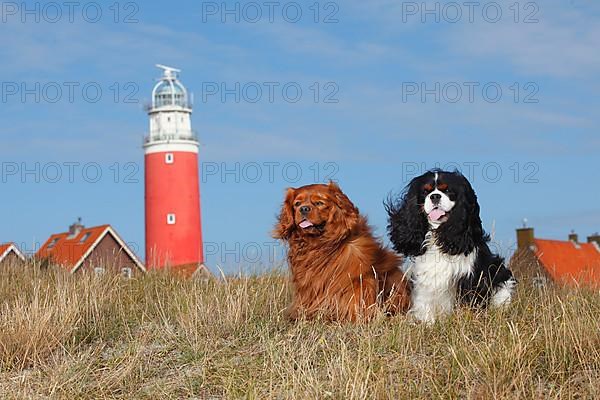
171 219
169 158
99 271
126 272
85 237
53 243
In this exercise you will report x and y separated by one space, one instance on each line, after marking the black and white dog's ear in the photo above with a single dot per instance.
463 230
407 225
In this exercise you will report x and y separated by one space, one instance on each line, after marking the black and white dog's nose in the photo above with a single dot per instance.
435 197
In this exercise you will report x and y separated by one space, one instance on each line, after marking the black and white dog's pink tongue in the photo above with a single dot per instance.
436 214
305 224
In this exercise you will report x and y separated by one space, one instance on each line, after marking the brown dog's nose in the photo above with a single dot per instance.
305 209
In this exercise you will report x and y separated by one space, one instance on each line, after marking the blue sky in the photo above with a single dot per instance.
368 116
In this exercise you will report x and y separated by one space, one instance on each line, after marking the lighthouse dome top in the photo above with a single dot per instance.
169 91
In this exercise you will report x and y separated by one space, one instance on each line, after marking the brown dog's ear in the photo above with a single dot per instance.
285 224
348 213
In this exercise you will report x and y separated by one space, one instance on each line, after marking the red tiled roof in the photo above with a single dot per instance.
569 262
190 270
5 249
185 270
71 251
68 251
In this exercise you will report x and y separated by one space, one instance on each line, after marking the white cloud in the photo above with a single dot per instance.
563 44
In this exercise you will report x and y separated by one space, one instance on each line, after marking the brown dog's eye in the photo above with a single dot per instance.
297 204
319 203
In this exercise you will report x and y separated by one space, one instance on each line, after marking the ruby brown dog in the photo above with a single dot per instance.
340 272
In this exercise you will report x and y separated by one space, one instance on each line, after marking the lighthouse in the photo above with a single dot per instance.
172 190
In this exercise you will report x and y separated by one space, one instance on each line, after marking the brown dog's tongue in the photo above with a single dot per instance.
305 224
436 214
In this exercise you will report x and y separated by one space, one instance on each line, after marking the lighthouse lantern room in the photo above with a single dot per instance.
172 190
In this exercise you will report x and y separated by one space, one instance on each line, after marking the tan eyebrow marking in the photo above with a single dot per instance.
428 187
443 186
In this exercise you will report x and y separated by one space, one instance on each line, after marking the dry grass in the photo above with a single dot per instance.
159 336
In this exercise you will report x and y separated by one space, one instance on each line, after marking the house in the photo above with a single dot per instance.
11 255
561 261
97 249
193 270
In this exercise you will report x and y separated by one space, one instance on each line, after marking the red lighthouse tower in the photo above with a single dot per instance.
173 227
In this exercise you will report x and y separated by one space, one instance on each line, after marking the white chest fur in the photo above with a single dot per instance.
435 275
